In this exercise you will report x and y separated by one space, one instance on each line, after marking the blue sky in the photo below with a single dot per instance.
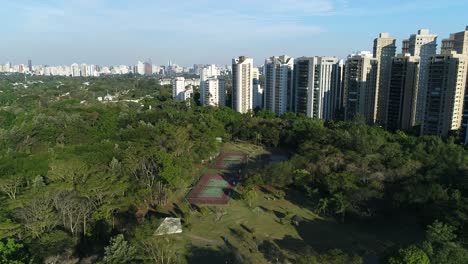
210 31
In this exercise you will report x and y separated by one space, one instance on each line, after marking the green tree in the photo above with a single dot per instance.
410 255
119 251
440 233
12 252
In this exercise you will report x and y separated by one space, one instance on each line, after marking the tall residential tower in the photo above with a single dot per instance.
384 51
242 84
278 72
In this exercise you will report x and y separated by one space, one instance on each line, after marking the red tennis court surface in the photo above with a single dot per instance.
211 189
229 160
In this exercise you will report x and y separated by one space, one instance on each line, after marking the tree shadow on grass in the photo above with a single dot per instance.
211 255
363 238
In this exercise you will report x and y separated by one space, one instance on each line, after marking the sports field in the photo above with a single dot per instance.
230 160
211 189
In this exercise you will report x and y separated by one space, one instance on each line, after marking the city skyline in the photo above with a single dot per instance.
116 32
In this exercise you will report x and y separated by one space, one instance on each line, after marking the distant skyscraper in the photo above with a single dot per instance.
278 73
317 83
360 85
447 81
422 45
384 51
148 68
242 84
402 95
257 89
30 67
75 70
84 70
140 68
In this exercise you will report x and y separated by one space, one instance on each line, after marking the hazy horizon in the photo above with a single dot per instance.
108 32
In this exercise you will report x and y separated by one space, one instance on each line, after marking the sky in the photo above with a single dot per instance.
108 32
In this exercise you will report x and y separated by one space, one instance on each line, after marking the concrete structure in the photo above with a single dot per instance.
278 73
360 86
457 42
384 51
212 89
257 89
140 68
178 88
402 95
422 45
447 81
148 68
317 86
75 70
242 84
214 92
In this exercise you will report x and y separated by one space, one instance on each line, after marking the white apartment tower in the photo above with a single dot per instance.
75 70
384 51
360 85
447 81
422 45
178 89
212 87
242 84
278 73
141 68
317 83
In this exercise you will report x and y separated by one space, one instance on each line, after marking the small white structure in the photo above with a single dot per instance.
169 226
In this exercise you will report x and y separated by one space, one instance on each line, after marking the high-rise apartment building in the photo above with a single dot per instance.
140 68
360 86
212 87
457 42
214 92
278 73
422 45
257 89
75 70
402 94
30 66
317 86
242 84
447 80
384 51
148 68
178 88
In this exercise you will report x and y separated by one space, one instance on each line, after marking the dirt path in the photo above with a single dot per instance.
205 240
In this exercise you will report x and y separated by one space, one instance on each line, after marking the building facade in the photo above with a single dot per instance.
402 96
360 86
447 81
178 88
422 45
242 84
278 73
317 86
257 89
384 51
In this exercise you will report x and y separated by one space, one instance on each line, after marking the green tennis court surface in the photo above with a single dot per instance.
232 161
211 189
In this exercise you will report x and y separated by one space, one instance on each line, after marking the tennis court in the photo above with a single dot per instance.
211 189
230 160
